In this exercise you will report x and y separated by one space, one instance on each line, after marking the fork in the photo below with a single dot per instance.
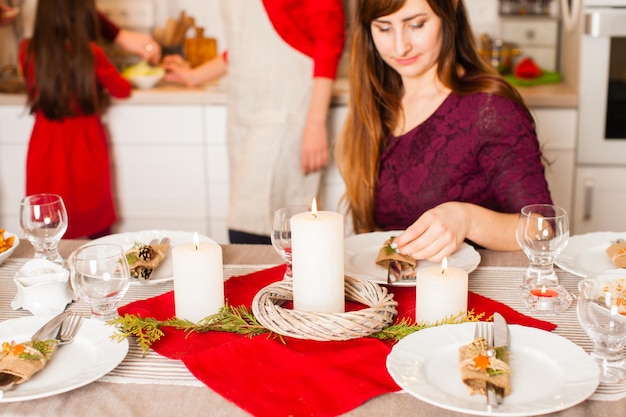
485 330
69 328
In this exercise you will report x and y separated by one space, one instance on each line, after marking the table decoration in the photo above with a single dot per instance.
441 292
380 313
198 279
317 261
307 377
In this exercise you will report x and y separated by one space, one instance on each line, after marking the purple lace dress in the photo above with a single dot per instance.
479 149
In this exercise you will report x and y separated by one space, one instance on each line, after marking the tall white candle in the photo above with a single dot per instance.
317 261
440 292
198 279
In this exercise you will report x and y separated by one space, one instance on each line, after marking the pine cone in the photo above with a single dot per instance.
146 253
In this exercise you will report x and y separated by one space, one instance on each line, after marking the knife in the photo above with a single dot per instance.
50 328
501 339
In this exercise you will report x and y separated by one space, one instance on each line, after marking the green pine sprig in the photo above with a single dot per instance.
240 320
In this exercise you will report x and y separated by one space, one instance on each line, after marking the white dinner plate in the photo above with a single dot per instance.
361 251
548 372
165 270
90 356
586 254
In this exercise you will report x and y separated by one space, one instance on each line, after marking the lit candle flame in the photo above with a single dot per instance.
444 265
543 290
196 241
314 208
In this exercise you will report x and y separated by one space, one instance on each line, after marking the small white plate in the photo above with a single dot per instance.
548 372
361 251
90 356
586 254
165 270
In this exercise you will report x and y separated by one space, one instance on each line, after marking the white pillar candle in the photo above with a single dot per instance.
317 261
440 292
198 279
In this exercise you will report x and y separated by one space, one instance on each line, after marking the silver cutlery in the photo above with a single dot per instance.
485 330
396 272
501 339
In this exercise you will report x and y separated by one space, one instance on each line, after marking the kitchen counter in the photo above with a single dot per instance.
550 95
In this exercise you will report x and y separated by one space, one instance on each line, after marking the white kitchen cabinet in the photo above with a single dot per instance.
15 129
556 130
537 37
600 198
159 160
216 171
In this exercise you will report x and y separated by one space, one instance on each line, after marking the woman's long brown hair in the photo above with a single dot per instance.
376 91
63 62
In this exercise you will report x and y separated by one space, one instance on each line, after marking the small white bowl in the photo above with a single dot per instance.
7 253
146 81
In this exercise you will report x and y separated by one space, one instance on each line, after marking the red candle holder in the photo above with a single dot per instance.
553 299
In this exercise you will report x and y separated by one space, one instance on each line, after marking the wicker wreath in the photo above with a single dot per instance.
266 306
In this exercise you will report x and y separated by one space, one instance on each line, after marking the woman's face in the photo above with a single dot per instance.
409 40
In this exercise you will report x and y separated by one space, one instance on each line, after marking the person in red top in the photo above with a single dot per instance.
69 80
281 62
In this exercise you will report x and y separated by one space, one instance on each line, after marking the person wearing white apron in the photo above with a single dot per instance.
269 90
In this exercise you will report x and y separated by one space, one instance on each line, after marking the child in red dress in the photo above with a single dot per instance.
69 79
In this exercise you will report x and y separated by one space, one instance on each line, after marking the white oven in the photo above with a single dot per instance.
602 83
600 189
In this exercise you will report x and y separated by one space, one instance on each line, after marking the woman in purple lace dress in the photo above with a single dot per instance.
436 143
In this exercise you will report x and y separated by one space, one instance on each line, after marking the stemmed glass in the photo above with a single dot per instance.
43 220
542 233
281 233
602 313
100 276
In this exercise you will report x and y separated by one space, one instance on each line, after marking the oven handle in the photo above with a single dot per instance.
605 22
588 199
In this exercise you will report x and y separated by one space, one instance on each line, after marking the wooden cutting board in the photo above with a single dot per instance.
200 49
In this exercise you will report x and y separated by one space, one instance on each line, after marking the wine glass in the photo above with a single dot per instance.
281 233
602 313
43 220
542 233
100 276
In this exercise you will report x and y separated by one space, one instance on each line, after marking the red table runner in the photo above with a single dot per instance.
302 377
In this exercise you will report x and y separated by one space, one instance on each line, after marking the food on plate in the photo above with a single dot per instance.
143 259
388 253
23 360
478 367
5 242
617 253
142 69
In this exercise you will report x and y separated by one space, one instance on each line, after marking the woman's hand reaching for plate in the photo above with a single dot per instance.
437 233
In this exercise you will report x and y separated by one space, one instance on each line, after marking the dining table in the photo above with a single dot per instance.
153 385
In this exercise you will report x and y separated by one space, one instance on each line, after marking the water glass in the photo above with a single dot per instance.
100 276
281 233
43 220
542 233
602 313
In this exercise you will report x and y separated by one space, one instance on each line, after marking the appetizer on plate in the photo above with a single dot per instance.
143 259
5 242
20 361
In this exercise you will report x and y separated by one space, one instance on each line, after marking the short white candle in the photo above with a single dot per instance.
198 279
317 259
440 292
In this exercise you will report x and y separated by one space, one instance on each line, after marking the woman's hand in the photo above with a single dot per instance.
177 70
140 44
437 233
440 231
314 147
